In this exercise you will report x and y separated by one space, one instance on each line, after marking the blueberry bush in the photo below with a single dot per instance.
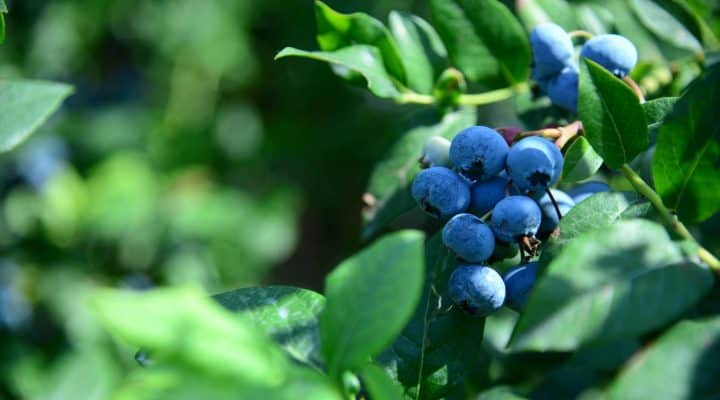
544 223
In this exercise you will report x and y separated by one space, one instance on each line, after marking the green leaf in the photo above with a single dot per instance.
378 384
657 109
581 161
184 324
362 59
535 12
287 314
671 22
484 39
499 393
3 7
25 106
627 24
337 31
614 283
685 166
613 119
393 175
684 359
423 53
370 297
438 354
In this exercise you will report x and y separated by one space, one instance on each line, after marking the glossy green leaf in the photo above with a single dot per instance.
438 354
25 106
683 363
613 119
484 40
184 324
378 384
535 12
423 53
581 161
392 176
685 166
370 297
336 31
609 284
670 22
287 314
362 59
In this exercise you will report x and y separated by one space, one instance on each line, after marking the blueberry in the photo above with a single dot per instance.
436 152
614 52
478 152
477 289
441 192
549 214
515 216
469 238
534 164
518 282
552 50
587 189
484 195
563 89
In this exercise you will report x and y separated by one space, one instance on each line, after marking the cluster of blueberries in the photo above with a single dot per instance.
481 175
555 69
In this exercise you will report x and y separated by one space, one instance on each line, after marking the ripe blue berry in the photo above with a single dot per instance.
587 189
563 89
552 50
469 237
614 52
534 164
478 152
441 192
550 218
515 216
436 152
484 195
477 289
518 282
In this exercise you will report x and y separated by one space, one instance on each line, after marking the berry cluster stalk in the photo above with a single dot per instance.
668 217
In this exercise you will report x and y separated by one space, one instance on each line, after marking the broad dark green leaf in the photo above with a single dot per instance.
378 384
25 106
535 12
581 161
438 353
671 22
484 39
287 314
687 157
184 324
613 119
423 53
610 284
370 297
361 59
336 31
392 176
683 363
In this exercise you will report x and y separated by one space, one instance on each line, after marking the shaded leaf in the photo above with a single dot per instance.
581 161
613 120
609 284
438 354
535 12
370 297
287 314
336 31
671 22
393 175
680 364
362 59
484 40
657 109
687 157
25 106
423 53
499 393
378 384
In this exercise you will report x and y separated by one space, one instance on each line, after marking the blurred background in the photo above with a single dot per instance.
185 155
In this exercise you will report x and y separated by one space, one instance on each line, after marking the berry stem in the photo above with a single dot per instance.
492 96
550 133
635 88
668 218
554 203
581 34
415 98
